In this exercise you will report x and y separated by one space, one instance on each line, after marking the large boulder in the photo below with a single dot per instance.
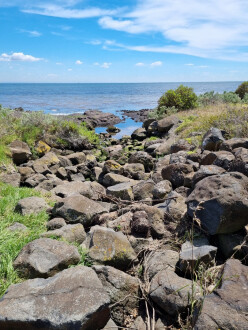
173 294
70 233
111 179
143 190
174 207
220 202
48 159
20 152
212 139
14 179
142 157
44 257
78 209
123 291
165 124
205 171
139 134
109 247
31 205
234 143
123 191
226 308
72 299
176 173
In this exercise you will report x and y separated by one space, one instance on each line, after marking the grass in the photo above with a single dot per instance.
11 243
30 127
232 118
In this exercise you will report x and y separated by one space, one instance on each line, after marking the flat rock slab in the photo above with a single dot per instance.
44 257
70 233
31 205
72 299
87 189
227 308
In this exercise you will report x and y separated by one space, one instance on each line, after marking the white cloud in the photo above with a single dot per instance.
189 64
157 63
106 65
59 63
96 64
210 28
31 33
69 69
78 62
19 57
140 64
95 42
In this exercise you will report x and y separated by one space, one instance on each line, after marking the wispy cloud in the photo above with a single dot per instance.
78 62
18 57
140 64
189 64
69 69
31 33
106 65
211 28
157 63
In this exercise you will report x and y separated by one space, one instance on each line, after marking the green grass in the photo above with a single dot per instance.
11 243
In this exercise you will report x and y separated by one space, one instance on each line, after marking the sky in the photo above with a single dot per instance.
123 41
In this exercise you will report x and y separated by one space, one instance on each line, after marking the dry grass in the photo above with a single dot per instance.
232 118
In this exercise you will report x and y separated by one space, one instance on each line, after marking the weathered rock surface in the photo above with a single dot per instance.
205 171
142 157
226 308
88 189
55 223
31 205
165 124
109 247
20 152
123 291
111 179
123 191
175 173
78 209
212 139
44 257
161 189
14 179
72 299
70 233
222 201
234 143
171 292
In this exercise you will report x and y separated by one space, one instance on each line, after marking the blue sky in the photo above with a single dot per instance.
123 41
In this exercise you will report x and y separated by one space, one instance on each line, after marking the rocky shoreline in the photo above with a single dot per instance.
164 227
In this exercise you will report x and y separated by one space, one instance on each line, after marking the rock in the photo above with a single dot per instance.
140 224
226 308
161 189
78 209
20 152
31 205
165 147
35 180
234 244
172 293
113 130
48 159
223 201
121 223
42 148
123 291
160 260
139 134
182 145
98 118
111 179
111 166
55 223
61 173
70 233
45 257
17 226
74 299
111 325
14 179
41 168
205 171
234 143
240 164
77 158
134 171
92 190
143 190
109 247
79 177
212 139
179 157
223 159
142 157
25 172
122 190
174 207
137 116
64 161
49 184
176 173
192 255
165 124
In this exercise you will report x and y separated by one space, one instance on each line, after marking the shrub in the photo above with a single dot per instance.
182 98
209 98
245 98
230 97
242 89
161 112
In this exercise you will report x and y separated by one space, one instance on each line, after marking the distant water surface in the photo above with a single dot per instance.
71 98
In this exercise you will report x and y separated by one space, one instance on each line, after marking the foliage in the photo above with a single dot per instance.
212 98
11 242
230 97
182 98
161 112
242 89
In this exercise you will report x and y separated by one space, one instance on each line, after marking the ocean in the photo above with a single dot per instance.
71 98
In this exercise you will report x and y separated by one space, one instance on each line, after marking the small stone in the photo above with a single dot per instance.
55 223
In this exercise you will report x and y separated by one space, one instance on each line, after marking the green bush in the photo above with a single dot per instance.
161 112
245 99
182 98
209 98
230 97
242 89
